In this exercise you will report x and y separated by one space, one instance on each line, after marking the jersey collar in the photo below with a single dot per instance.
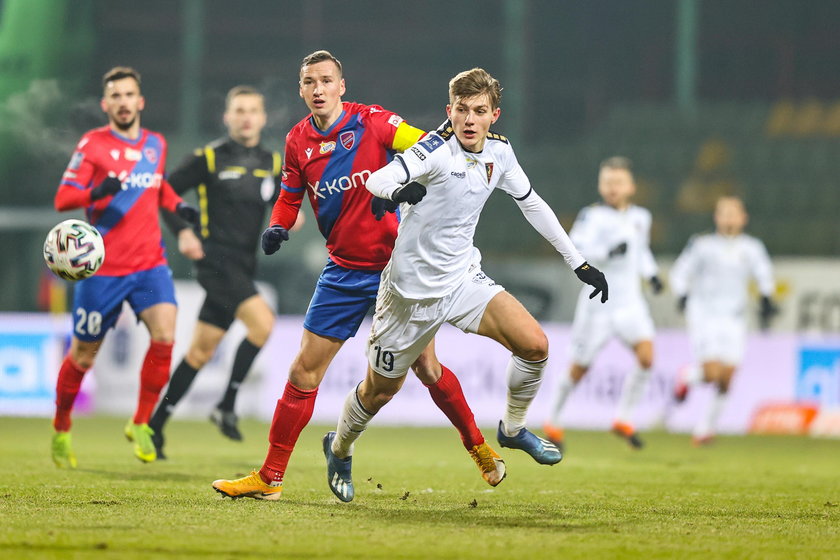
327 132
126 139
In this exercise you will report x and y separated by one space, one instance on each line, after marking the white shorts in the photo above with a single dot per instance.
596 323
402 328
721 338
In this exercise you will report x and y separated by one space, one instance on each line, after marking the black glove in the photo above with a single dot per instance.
109 186
618 250
379 206
272 238
681 303
655 284
588 274
412 193
766 311
187 212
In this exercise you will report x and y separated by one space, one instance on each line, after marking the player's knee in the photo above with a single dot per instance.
645 361
83 359
258 334
577 372
198 356
304 377
533 346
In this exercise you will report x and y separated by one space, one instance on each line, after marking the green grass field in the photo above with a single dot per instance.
418 495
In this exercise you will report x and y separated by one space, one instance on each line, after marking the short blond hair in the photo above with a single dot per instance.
477 81
236 91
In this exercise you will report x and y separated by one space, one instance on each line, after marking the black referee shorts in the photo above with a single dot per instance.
228 282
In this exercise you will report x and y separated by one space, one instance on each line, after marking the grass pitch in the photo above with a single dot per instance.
418 495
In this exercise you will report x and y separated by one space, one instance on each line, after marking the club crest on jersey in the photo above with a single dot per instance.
133 155
327 147
347 139
151 154
489 168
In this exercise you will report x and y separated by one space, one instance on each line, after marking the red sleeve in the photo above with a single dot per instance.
74 189
70 198
287 206
169 199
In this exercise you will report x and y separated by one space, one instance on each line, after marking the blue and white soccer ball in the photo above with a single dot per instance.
74 250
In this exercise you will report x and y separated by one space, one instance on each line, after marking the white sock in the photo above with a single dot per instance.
351 424
631 392
708 422
564 389
693 374
523 382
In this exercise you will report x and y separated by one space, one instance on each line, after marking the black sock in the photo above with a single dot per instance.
179 384
245 355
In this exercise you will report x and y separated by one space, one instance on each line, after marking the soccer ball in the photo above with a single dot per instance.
74 250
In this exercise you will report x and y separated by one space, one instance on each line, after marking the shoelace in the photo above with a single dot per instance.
484 458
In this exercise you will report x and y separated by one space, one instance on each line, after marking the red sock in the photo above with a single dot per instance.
449 397
153 378
292 414
69 380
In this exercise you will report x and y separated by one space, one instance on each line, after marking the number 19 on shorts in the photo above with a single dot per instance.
384 359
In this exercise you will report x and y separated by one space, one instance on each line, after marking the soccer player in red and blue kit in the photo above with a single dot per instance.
329 156
117 175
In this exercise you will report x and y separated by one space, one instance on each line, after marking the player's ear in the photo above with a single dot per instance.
342 89
103 106
141 104
496 112
449 111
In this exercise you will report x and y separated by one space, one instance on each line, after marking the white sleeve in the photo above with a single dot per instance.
647 264
584 234
418 163
762 269
538 213
684 269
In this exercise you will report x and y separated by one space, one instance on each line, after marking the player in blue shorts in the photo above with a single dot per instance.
116 175
329 155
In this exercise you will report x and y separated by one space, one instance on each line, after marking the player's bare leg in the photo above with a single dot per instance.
361 405
292 413
634 386
76 363
205 340
258 319
447 394
720 374
160 321
509 323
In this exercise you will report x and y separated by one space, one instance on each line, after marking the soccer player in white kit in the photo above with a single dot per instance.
710 279
434 275
615 236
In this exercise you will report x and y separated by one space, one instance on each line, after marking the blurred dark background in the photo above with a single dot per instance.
708 97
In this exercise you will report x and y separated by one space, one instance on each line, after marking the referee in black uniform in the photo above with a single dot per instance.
236 179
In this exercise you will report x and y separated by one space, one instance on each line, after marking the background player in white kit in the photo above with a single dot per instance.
710 278
615 236
434 275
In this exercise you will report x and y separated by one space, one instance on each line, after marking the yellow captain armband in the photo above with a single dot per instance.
406 136
276 163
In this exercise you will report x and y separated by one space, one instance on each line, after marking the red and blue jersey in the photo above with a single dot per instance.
128 220
331 167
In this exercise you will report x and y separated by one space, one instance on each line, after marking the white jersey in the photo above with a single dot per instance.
434 247
714 272
600 228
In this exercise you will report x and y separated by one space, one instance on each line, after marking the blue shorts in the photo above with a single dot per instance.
97 301
341 300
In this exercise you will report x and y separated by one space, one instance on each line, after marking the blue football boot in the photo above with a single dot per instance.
543 451
339 475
